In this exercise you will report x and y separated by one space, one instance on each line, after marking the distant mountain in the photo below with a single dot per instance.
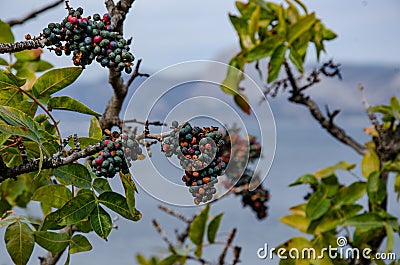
380 83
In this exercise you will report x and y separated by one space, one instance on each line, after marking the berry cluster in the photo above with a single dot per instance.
200 153
132 149
244 152
118 150
89 38
256 199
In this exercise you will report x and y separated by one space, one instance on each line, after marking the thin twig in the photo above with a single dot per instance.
154 123
175 214
135 74
33 14
164 236
228 244
45 110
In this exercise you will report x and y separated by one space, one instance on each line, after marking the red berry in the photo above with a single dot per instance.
99 160
97 39
106 17
72 19
106 142
165 147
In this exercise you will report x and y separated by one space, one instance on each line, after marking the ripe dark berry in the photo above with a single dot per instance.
82 36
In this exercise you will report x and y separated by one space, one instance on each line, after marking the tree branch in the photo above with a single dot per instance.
22 45
34 13
53 162
111 114
340 134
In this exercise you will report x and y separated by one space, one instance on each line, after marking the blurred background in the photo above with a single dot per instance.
170 32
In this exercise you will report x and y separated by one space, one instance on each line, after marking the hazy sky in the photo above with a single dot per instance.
168 32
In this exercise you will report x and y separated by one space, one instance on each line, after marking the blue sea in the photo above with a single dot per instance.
302 147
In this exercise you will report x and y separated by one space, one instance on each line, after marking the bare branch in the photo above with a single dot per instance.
174 214
22 45
340 134
53 162
154 123
135 74
34 13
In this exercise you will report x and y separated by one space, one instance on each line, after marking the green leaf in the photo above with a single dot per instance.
365 221
19 241
11 189
296 59
23 125
317 205
331 185
328 34
170 260
50 222
213 228
241 28
253 23
389 238
376 188
305 179
95 130
74 174
117 203
277 59
55 80
6 35
101 222
101 185
141 260
300 27
70 104
130 189
77 209
51 241
29 55
395 105
370 163
334 218
84 142
350 194
297 221
199 251
328 171
7 221
198 226
8 80
53 195
230 85
79 243
264 49
242 102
